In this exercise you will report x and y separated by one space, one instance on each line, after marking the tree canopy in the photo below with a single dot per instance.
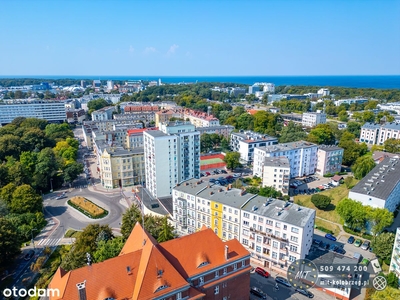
232 160
322 134
363 166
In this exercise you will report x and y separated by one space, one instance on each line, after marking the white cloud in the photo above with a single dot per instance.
131 49
148 50
172 49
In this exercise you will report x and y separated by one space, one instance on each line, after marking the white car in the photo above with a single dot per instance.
236 175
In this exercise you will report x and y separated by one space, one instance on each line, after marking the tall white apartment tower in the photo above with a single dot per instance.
172 155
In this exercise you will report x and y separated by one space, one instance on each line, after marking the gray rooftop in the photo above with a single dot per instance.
381 181
155 133
391 126
280 210
150 202
371 126
288 146
329 148
281 161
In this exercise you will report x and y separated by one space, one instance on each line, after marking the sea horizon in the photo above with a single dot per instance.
350 81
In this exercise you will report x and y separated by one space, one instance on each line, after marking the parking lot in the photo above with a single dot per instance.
309 185
219 176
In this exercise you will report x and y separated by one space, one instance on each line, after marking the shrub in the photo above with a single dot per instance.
321 201
323 229
358 233
329 175
87 207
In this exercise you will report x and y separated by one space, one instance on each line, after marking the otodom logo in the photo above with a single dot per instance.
16 292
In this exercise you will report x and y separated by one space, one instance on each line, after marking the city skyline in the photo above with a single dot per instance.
208 38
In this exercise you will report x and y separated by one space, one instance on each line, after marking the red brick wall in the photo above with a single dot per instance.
234 288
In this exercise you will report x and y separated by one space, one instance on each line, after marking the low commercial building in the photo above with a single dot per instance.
380 187
197 266
329 159
274 231
276 173
302 157
245 142
312 119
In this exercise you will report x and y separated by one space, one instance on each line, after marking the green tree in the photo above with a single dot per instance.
245 121
58 131
129 219
72 171
225 144
166 231
292 133
47 166
6 193
108 249
368 116
363 166
392 145
348 181
354 128
9 146
322 134
392 280
352 212
383 245
9 242
232 160
352 150
205 142
343 116
25 199
380 218
269 191
97 104
321 201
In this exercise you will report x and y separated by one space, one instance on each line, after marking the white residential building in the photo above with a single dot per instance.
302 157
245 142
351 101
172 155
395 261
103 114
276 173
375 134
312 119
380 187
224 130
52 111
323 92
275 232
392 106
269 88
329 159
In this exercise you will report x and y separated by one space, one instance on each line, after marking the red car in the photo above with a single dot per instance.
208 173
262 272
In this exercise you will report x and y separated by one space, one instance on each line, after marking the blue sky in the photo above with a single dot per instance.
200 38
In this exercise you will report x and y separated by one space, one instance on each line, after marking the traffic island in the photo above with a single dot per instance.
87 207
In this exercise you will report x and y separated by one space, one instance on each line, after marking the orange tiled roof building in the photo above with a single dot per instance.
196 266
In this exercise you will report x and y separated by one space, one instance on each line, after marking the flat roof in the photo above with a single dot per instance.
279 210
281 161
371 126
155 133
329 148
149 201
381 181
288 146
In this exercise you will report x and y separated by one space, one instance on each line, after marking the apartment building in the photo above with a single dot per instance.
329 159
351 101
200 119
75 115
395 260
197 266
140 108
323 92
392 106
375 134
224 130
380 187
302 157
274 231
121 168
312 119
245 142
172 155
52 111
103 114
276 173
236 91
144 116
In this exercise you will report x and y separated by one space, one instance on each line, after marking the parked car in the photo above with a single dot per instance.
330 237
351 240
305 293
365 245
283 281
201 174
357 243
236 175
258 292
29 255
224 172
262 272
212 180
229 177
208 173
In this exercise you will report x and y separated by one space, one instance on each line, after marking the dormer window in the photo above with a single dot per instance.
162 287
204 263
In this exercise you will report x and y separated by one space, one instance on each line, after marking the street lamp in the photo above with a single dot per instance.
32 237
51 185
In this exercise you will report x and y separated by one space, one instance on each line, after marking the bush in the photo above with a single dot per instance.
329 175
323 229
321 201
358 233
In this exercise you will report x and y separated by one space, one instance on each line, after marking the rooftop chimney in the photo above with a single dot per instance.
226 252
81 290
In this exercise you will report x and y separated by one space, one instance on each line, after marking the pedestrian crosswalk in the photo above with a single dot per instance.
49 242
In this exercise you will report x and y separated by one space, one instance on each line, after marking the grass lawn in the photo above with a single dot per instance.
71 233
336 194
334 228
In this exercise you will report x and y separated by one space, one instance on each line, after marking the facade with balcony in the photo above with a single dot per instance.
276 173
395 261
329 159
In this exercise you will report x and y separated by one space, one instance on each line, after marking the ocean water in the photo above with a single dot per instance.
379 82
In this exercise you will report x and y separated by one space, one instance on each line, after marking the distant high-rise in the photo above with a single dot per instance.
83 84
110 85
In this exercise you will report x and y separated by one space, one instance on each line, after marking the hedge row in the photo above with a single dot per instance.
357 233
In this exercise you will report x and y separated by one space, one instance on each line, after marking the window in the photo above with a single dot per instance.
277 224
258 249
259 239
234 266
201 280
254 218
243 263
295 230
277 233
274 255
246 223
216 290
260 228
292 258
284 227
293 248
216 274
216 205
294 239
179 296
246 215
225 270
269 222
245 232
245 242
275 244
260 219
